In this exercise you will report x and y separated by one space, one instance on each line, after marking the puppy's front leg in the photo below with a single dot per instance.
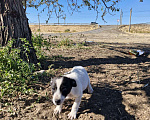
74 110
58 109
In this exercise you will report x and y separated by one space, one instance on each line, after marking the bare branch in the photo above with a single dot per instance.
53 6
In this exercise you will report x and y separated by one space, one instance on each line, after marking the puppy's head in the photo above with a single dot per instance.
61 87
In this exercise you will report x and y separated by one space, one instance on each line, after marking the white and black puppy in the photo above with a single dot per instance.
70 85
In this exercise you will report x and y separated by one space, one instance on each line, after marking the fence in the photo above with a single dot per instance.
60 23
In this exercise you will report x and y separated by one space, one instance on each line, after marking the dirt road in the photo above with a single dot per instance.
96 31
108 33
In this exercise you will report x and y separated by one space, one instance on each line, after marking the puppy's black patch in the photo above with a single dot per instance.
67 85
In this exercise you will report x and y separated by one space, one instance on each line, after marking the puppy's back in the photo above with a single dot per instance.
78 68
80 75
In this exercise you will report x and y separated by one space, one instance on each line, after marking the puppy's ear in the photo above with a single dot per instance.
73 83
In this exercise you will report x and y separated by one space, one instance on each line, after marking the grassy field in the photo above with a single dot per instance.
62 28
137 28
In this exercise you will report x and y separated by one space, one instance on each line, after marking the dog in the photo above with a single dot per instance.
70 85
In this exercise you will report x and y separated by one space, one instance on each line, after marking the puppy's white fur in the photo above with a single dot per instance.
80 75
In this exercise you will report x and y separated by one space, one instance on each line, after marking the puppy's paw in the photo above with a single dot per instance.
72 115
57 110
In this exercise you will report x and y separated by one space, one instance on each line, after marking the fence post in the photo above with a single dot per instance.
39 21
121 14
130 19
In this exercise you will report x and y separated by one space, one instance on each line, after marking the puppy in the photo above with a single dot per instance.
70 85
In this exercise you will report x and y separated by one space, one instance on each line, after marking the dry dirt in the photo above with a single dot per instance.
121 82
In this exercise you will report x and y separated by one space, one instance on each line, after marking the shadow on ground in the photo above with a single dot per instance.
118 48
107 102
98 61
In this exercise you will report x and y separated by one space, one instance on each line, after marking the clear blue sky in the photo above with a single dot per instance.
140 14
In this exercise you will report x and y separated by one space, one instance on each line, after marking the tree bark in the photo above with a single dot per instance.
14 25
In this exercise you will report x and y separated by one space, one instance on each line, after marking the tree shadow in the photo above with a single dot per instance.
145 83
55 60
98 61
106 102
146 87
120 48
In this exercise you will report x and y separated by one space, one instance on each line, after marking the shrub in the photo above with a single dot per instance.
15 74
67 30
65 42
40 43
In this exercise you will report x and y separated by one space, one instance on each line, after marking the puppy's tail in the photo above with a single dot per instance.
90 89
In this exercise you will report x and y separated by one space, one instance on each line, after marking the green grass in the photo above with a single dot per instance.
15 74
67 42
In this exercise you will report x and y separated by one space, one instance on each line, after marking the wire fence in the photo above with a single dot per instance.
60 23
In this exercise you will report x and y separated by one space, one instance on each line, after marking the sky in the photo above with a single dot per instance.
140 14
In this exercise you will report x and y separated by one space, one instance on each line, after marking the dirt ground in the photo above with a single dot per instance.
121 82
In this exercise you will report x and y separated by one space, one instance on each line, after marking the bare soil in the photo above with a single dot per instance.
121 81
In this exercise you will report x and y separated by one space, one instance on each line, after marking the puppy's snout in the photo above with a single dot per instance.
58 102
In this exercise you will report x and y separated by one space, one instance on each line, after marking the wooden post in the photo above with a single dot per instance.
121 17
58 18
64 19
39 21
130 19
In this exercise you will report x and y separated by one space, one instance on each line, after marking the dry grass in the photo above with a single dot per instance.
62 28
138 28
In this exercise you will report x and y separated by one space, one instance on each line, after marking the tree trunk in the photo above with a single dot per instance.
14 25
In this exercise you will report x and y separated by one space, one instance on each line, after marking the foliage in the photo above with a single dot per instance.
65 42
67 30
15 74
40 43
